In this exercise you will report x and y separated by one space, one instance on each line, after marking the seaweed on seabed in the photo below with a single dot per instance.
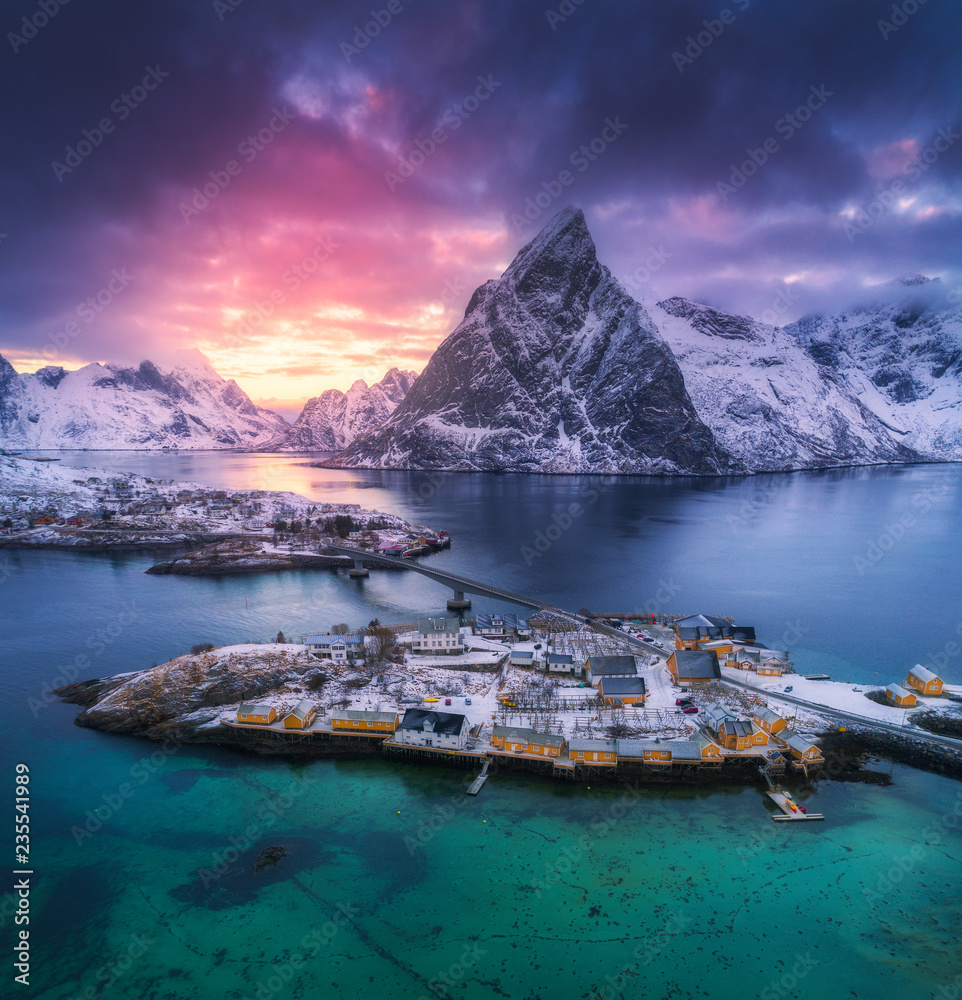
271 855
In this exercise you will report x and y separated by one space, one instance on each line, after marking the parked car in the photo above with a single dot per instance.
690 709
789 688
683 701
447 701
467 701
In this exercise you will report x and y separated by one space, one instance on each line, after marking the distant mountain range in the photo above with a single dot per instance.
109 406
187 406
331 421
555 368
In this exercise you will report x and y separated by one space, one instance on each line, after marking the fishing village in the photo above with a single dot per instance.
676 699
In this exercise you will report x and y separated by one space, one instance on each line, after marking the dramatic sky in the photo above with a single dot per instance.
363 178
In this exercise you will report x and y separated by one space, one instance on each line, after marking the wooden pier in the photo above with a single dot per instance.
479 781
791 809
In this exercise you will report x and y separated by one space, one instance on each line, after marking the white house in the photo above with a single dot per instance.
438 635
336 647
441 730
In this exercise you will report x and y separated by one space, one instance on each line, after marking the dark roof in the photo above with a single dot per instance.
559 658
447 723
612 666
743 633
622 685
696 664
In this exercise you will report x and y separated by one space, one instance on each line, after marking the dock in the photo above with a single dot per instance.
785 802
479 781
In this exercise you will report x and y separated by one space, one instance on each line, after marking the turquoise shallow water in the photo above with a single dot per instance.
396 883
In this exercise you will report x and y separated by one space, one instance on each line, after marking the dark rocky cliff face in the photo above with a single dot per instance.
555 368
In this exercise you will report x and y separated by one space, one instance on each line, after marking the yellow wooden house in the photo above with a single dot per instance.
771 722
769 668
515 739
364 723
598 753
899 697
923 681
655 752
736 734
803 749
301 716
256 715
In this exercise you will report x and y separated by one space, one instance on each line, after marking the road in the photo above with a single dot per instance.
856 720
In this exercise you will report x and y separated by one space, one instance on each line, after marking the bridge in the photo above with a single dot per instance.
461 585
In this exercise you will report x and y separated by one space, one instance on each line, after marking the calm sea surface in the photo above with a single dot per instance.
396 884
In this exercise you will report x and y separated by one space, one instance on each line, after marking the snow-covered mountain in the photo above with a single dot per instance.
554 368
331 421
768 402
112 407
902 358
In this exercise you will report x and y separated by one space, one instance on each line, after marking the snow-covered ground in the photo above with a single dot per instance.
837 695
143 509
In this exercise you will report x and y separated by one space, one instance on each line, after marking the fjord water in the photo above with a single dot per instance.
398 884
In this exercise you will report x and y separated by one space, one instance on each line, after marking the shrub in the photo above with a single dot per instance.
201 647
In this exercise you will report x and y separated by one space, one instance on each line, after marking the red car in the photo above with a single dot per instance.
447 701
690 709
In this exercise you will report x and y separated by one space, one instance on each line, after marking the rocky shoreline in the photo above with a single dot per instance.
183 701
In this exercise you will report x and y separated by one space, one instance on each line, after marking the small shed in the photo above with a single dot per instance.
899 697
521 658
301 716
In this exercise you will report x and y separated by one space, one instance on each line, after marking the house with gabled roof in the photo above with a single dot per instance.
610 666
769 721
301 716
435 730
622 690
693 666
900 697
923 681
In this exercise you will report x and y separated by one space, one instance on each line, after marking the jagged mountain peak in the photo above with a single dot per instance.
333 419
912 279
